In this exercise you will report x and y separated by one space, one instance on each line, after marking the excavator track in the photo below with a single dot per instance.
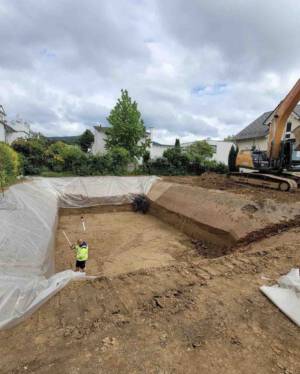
265 180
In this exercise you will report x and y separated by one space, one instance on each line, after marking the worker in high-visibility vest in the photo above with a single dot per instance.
82 254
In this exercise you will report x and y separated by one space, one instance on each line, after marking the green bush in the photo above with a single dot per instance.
10 164
118 159
33 154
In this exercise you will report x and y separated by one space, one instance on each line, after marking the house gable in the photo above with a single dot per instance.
260 127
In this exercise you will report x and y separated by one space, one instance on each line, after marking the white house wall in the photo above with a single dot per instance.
222 150
12 136
157 151
2 133
260 144
98 146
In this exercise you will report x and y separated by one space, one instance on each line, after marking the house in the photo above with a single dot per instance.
17 129
12 130
255 135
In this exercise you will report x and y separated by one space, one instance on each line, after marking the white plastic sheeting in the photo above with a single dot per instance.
286 295
28 222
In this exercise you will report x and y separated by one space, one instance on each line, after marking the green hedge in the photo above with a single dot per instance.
162 166
10 164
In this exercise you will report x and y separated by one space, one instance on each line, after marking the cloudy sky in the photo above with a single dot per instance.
197 68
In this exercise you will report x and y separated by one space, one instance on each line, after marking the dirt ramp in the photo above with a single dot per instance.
215 216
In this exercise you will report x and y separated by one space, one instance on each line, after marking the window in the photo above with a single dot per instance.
214 148
289 127
287 136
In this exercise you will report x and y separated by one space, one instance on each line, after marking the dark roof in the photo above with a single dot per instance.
259 128
256 129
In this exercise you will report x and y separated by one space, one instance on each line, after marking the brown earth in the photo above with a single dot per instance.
183 314
223 182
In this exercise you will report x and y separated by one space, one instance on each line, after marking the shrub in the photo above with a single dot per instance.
33 154
10 165
118 159
199 151
86 140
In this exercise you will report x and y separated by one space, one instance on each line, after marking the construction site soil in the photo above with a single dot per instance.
224 183
162 302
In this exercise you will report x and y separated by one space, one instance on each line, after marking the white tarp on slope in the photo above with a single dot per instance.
286 295
28 220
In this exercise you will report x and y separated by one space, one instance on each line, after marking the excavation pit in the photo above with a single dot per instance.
120 240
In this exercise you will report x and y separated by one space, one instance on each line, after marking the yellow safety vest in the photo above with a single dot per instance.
82 253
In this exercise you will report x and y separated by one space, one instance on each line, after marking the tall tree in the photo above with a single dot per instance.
232 158
127 128
177 145
86 140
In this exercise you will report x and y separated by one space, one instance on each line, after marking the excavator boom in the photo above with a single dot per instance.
281 115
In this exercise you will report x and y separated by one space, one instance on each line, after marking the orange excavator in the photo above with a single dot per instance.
275 168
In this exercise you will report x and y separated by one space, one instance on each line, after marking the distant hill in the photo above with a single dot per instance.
65 139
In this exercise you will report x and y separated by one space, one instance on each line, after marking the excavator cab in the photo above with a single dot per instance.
290 156
273 168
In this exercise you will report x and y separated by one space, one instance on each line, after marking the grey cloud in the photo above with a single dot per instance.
252 36
63 63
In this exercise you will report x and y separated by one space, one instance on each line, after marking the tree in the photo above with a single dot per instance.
177 144
86 140
127 128
232 158
199 151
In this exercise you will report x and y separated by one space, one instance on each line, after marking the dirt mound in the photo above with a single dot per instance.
215 216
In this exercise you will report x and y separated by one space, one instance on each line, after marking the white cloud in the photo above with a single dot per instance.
196 68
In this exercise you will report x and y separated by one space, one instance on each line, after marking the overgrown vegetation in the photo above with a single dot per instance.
10 165
40 157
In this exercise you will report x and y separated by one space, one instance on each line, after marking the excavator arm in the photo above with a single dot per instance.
280 116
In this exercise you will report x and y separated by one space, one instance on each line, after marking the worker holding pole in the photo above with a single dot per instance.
82 254
81 251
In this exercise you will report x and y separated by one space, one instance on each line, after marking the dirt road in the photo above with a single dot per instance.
192 315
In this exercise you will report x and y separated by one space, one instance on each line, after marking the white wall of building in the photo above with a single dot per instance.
157 150
12 136
2 132
222 150
98 146
260 144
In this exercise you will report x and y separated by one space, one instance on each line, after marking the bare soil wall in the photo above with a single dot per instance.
217 216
